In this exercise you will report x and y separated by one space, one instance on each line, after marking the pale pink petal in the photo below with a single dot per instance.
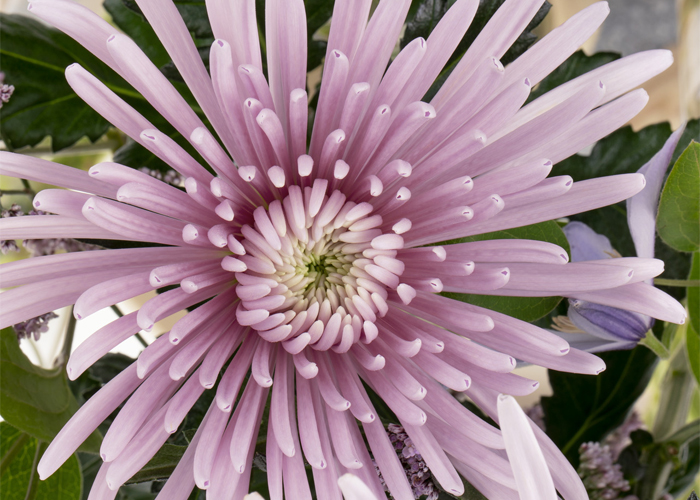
529 467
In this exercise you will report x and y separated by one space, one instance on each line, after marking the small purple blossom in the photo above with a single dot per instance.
5 90
536 414
33 328
171 176
603 479
415 467
7 246
619 439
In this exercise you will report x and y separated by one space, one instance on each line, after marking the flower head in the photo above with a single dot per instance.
319 268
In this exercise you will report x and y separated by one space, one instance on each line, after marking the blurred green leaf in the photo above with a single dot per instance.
694 293
18 467
586 407
524 308
692 344
36 401
678 221
318 12
693 327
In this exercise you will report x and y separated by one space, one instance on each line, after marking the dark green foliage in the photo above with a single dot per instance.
677 222
586 408
32 399
19 480
34 58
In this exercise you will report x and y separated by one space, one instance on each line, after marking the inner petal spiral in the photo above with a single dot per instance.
306 270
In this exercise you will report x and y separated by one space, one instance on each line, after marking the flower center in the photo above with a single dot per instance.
306 274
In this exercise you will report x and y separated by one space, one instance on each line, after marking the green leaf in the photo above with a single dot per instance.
161 465
678 221
692 339
318 12
34 58
36 401
18 467
694 293
576 65
586 407
524 308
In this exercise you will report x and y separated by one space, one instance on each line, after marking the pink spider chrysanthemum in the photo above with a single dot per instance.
318 265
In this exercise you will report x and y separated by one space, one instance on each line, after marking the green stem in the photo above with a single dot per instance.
68 340
28 187
675 399
34 478
673 405
655 345
15 191
678 283
138 336
668 335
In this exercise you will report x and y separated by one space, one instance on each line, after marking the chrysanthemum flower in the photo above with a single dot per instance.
321 266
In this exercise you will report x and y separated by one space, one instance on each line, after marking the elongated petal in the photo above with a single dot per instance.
642 207
529 467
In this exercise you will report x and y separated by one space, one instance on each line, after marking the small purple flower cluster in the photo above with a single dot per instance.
34 327
536 414
602 478
7 246
619 439
170 177
417 471
41 247
5 90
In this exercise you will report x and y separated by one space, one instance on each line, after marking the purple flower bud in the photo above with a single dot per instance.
608 322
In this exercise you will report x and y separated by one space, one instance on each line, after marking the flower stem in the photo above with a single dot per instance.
655 345
678 283
669 425
675 398
28 188
67 340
